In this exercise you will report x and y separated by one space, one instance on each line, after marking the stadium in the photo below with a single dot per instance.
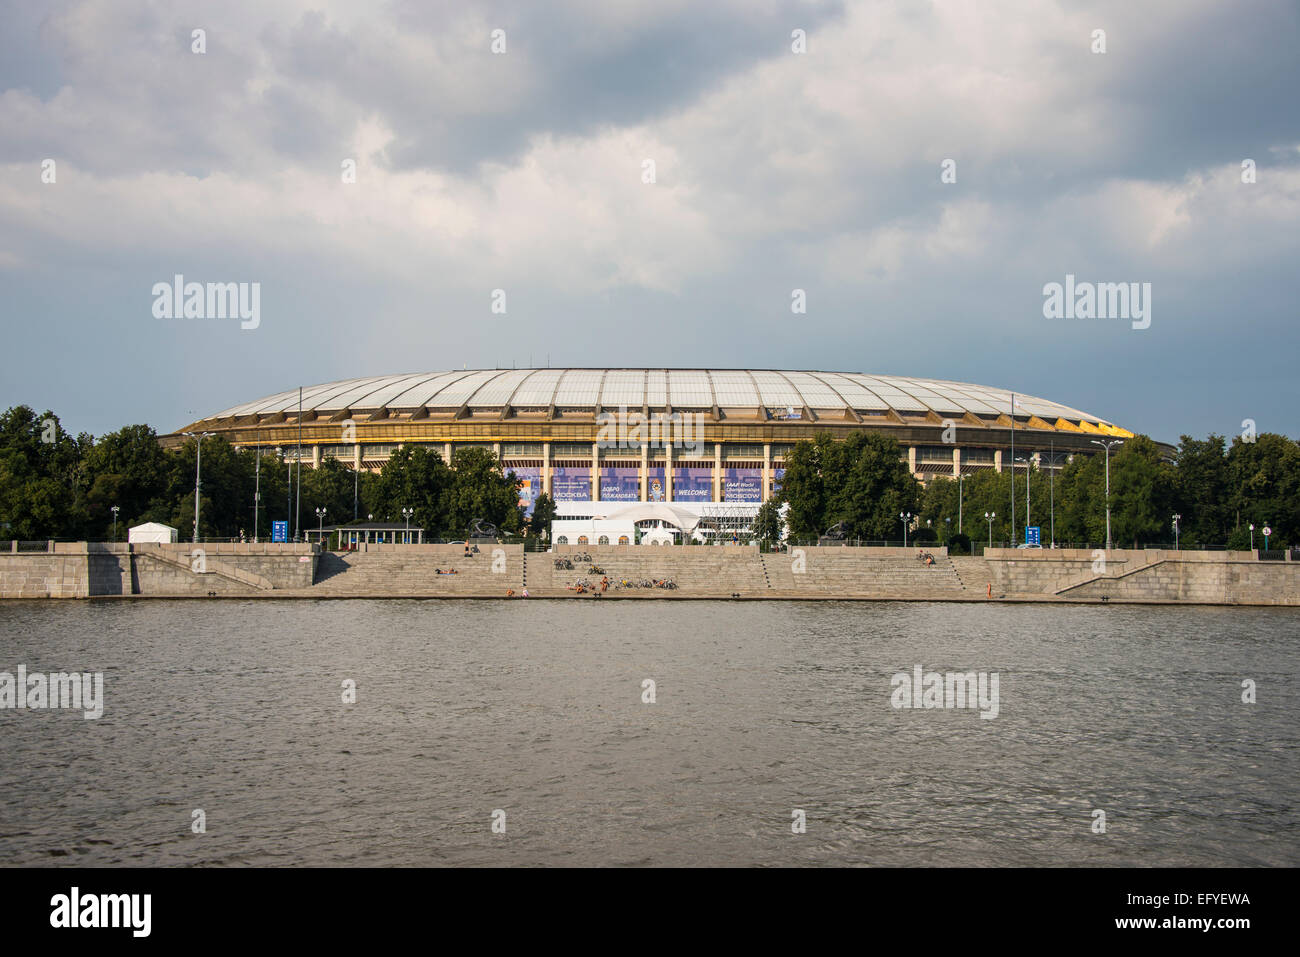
707 442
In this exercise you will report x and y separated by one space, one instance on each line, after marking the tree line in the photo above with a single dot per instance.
55 485
60 486
862 484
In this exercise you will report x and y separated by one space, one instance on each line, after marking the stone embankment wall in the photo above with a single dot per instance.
1146 575
94 569
87 570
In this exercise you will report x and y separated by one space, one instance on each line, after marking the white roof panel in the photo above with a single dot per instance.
537 390
623 387
690 389
684 388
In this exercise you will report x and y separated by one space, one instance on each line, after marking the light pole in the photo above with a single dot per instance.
288 479
320 523
1252 537
198 466
988 517
1176 518
1106 444
906 517
1013 469
1028 460
406 514
1052 462
114 511
961 474
257 486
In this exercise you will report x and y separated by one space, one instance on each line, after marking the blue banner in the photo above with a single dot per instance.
571 483
620 483
742 485
692 483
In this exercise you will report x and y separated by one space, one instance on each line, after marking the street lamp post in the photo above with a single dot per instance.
320 523
257 487
288 479
1052 463
960 476
1106 444
114 510
906 517
198 466
988 517
1176 518
1028 460
1252 536
406 514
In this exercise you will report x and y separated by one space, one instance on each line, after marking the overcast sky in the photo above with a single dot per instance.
774 170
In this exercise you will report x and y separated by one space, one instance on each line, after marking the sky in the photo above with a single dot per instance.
921 171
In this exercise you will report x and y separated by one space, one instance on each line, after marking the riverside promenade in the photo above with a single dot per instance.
227 570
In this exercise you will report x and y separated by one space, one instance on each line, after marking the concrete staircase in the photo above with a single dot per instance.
388 574
975 575
699 571
825 572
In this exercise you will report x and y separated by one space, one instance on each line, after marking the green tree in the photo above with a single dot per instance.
479 490
129 469
1264 484
1141 493
329 486
1201 490
41 481
226 502
413 477
804 486
767 523
539 524
870 486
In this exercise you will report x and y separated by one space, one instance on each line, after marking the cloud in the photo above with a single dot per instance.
773 170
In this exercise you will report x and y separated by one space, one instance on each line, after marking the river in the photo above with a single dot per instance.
767 718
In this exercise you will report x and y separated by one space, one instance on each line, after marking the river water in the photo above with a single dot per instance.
761 709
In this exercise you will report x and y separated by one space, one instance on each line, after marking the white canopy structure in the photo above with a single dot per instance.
635 512
151 532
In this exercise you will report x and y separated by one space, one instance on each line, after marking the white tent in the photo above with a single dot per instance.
652 511
151 532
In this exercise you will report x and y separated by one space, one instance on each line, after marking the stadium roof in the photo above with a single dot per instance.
657 388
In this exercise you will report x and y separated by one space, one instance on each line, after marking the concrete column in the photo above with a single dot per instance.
315 456
496 450
767 470
997 460
356 457
546 467
595 471
717 471
956 462
446 452
668 471
911 459
645 472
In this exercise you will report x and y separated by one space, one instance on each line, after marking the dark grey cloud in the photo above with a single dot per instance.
774 172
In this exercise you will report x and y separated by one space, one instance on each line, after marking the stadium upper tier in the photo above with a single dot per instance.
722 394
